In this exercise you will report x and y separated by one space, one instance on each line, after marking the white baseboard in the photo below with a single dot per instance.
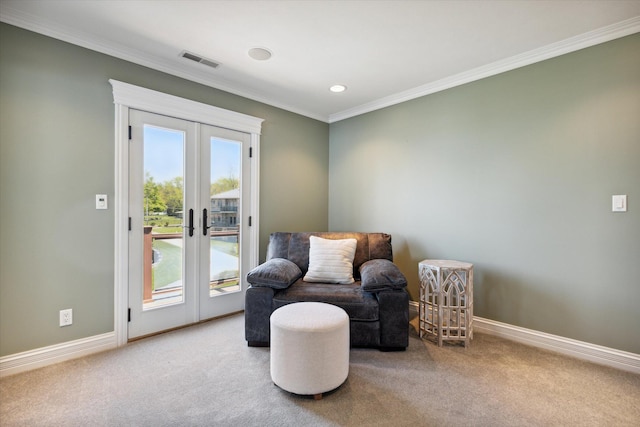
619 359
591 352
38 358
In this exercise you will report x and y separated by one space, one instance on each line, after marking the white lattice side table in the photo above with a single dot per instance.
446 300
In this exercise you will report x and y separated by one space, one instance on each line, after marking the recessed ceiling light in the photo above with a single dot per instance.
338 88
259 53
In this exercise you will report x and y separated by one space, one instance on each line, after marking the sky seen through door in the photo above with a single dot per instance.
168 146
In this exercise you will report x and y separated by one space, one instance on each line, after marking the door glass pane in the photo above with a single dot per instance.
224 218
163 216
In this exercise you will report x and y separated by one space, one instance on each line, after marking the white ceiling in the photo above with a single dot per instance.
385 52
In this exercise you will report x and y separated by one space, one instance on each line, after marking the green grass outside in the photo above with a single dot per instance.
167 230
164 224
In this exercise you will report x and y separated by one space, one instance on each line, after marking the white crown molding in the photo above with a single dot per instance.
579 349
29 22
592 38
38 358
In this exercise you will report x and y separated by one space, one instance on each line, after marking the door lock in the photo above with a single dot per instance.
205 223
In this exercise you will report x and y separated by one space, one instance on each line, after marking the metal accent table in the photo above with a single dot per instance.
446 300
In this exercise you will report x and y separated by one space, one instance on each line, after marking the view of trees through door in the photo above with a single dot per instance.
164 216
188 190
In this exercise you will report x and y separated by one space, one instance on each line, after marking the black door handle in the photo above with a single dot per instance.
205 223
190 222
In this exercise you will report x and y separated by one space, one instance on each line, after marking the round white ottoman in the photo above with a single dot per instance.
309 347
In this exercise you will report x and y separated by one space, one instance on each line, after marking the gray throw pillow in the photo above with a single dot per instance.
380 274
277 273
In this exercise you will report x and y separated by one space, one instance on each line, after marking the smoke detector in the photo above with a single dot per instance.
200 59
260 53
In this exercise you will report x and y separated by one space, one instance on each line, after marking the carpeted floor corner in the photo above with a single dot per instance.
206 375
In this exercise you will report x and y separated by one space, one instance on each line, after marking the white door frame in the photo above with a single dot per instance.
126 96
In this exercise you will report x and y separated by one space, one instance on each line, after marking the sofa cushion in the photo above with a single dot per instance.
277 273
379 274
358 304
330 261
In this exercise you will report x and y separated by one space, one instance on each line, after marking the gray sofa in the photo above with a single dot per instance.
377 302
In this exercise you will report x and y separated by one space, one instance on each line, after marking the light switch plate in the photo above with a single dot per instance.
619 203
101 201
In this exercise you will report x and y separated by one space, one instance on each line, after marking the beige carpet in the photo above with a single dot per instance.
206 376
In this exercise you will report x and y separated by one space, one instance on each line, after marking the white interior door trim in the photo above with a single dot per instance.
126 96
161 103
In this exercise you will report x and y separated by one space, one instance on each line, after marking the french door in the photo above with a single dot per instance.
188 208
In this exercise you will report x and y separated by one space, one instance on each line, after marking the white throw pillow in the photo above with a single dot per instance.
331 261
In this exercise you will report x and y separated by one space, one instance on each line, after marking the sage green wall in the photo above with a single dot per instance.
515 174
57 152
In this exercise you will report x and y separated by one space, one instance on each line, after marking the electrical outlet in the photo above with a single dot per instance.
66 317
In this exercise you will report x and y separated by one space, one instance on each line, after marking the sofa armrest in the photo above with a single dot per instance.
381 274
257 311
394 319
277 273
